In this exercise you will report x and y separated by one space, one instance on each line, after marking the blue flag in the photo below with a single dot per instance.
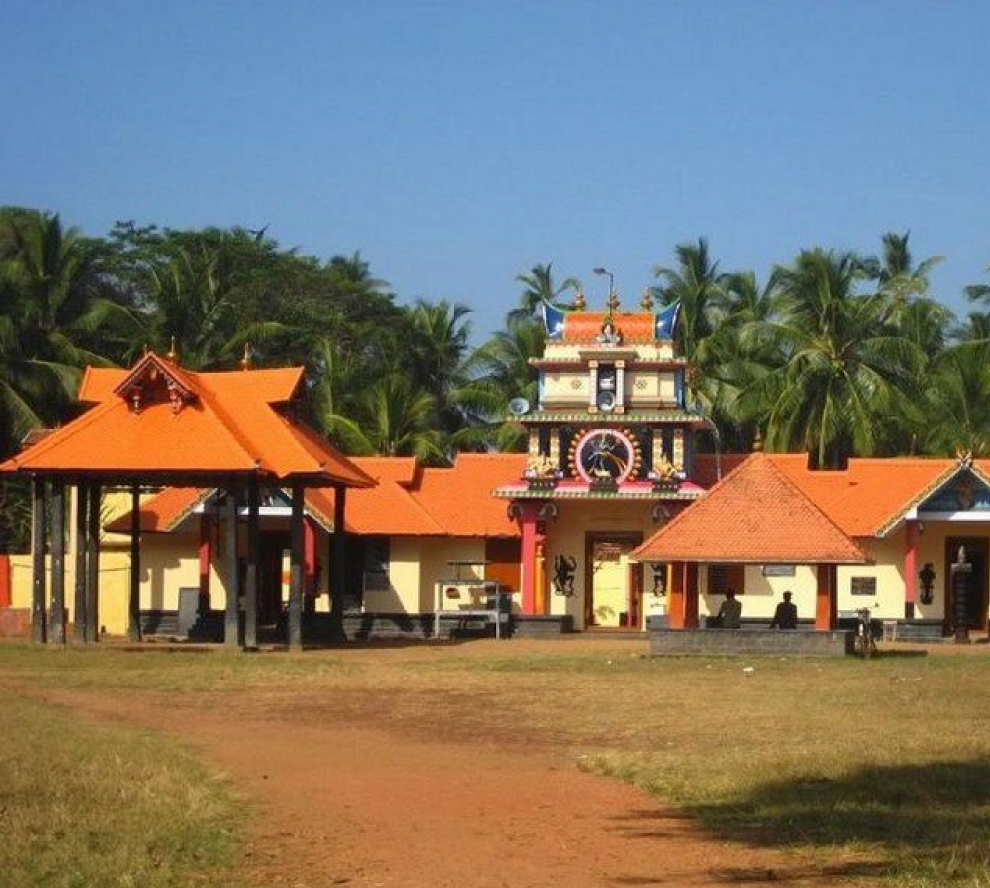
553 320
667 320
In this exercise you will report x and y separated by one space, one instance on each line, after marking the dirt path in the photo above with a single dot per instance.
362 805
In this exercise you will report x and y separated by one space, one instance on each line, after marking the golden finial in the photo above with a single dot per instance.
757 441
246 360
579 303
173 354
146 349
646 300
613 301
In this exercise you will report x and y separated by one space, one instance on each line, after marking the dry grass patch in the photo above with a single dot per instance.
84 805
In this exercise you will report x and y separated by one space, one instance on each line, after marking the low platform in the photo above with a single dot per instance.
731 642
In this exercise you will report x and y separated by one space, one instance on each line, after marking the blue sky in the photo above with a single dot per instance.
455 144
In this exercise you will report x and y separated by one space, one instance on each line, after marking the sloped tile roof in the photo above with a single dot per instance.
406 501
586 326
224 422
755 515
865 497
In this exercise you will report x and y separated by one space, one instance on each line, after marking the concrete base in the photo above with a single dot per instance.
731 642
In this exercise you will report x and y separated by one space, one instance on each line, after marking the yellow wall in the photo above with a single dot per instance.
567 535
761 595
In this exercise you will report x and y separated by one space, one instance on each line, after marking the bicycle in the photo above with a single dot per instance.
864 645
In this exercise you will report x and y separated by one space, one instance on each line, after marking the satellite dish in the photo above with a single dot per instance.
606 401
518 406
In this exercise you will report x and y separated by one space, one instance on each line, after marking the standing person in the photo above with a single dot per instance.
730 613
785 616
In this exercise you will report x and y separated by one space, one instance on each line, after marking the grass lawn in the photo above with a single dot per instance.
886 762
95 805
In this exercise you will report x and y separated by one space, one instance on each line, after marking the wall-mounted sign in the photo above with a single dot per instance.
779 570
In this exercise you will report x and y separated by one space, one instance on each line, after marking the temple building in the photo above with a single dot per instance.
197 505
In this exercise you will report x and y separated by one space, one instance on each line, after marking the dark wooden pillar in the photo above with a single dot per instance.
39 622
338 564
81 554
251 572
231 622
134 593
296 572
58 561
93 564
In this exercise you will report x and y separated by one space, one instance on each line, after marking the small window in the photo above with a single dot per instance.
863 585
722 577
779 570
376 561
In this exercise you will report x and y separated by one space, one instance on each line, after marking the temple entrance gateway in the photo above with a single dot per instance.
607 595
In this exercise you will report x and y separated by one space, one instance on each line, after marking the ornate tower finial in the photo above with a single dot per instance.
757 441
646 300
613 301
246 360
173 354
579 302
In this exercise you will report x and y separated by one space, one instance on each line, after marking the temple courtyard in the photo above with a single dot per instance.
579 761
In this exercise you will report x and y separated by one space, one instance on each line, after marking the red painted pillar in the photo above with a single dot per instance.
676 610
691 596
825 597
5 590
530 537
911 540
205 556
309 555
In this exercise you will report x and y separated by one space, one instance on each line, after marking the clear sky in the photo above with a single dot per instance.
455 144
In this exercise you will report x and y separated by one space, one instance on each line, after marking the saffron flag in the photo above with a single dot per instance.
667 320
553 320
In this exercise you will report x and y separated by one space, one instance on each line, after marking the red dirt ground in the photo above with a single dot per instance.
359 804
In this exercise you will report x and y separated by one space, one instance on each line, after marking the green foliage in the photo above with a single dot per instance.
835 353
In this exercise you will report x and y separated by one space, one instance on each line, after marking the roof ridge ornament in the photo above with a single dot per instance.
246 360
173 356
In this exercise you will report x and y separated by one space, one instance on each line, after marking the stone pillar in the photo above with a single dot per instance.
93 563
592 386
58 561
39 619
81 610
251 569
134 592
338 564
231 619
961 572
620 386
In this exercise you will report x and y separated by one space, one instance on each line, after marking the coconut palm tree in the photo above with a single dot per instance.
502 371
695 282
392 418
845 366
956 414
540 287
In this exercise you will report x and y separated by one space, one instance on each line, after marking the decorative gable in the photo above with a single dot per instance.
154 381
964 492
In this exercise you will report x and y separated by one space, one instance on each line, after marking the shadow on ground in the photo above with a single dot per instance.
933 816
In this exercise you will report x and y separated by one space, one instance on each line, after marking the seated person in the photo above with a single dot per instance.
730 613
785 616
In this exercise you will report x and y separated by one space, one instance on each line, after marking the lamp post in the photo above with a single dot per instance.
611 282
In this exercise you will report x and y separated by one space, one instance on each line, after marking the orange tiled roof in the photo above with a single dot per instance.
159 419
755 515
406 501
868 495
586 326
